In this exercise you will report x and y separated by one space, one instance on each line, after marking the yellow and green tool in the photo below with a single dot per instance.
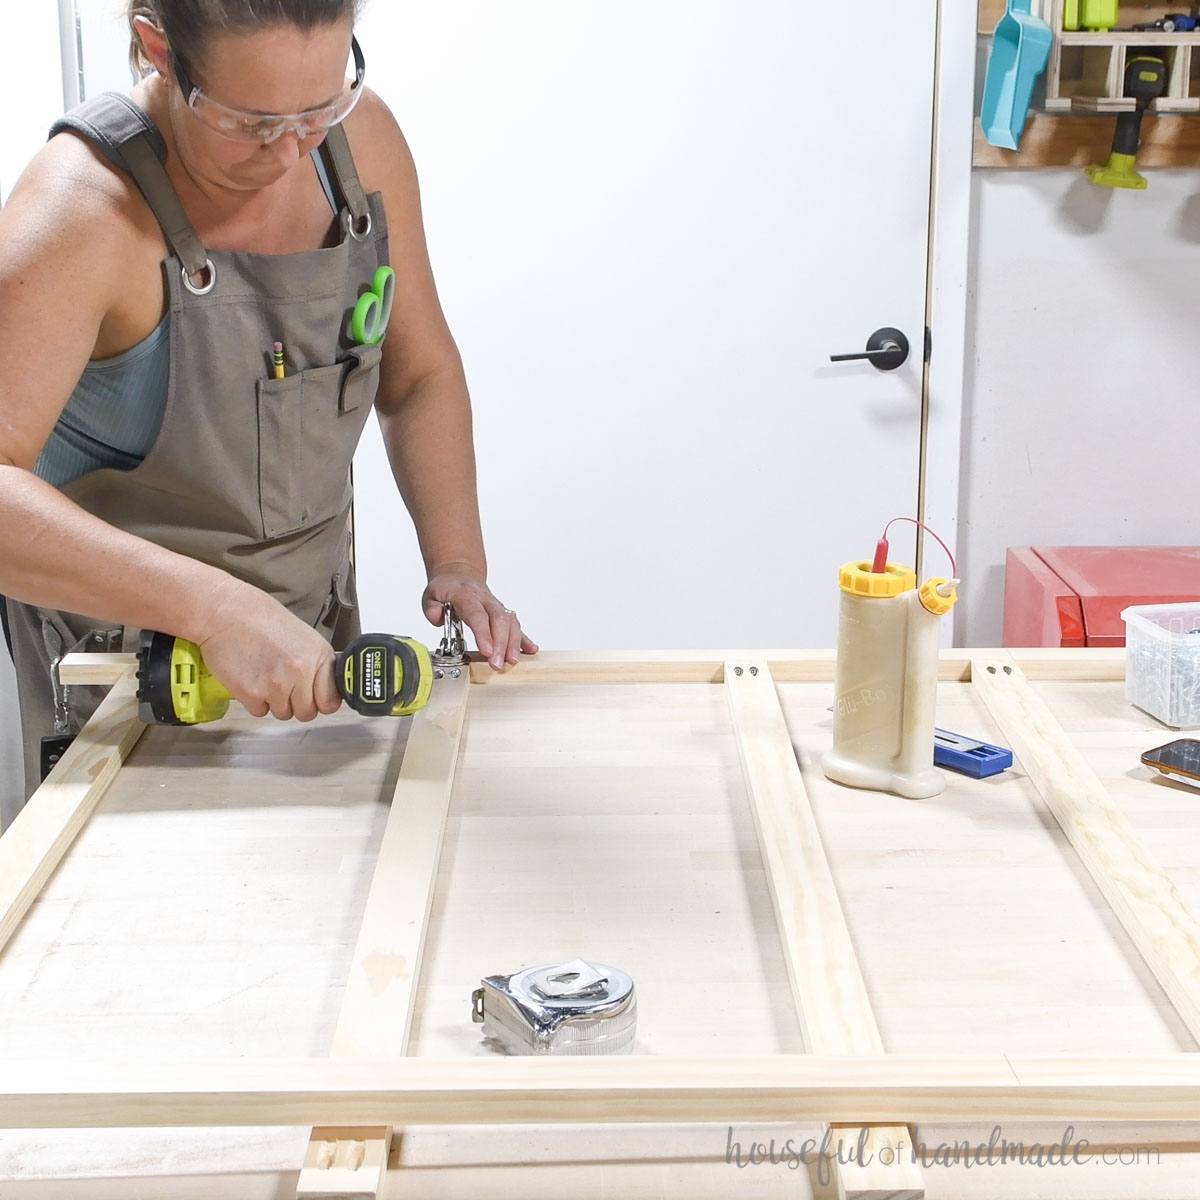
1146 79
377 674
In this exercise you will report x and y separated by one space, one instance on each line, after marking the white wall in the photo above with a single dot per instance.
1080 422
31 84
104 45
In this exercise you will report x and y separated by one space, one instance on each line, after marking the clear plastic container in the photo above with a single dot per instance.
1162 661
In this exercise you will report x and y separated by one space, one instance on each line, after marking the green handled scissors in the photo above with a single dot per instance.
370 319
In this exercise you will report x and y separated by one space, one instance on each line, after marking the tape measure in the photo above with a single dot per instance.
576 1007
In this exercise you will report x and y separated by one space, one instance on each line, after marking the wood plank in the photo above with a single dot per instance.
990 11
1124 38
34 844
95 670
1139 891
827 984
375 1019
1078 141
91 1094
698 666
1104 105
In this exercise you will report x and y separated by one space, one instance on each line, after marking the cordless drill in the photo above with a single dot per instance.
377 674
1146 79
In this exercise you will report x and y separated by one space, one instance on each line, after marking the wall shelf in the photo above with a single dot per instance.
1084 85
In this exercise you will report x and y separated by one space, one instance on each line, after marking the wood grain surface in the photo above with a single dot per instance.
210 908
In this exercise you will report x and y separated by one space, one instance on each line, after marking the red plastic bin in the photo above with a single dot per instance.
1073 595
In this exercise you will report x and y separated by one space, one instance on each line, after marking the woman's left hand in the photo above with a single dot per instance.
497 629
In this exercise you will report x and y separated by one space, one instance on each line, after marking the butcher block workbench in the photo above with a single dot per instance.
212 948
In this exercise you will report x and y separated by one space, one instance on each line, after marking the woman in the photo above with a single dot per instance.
156 472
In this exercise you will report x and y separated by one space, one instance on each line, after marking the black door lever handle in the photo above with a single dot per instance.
886 349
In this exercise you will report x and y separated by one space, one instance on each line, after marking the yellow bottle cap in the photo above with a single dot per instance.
933 600
858 578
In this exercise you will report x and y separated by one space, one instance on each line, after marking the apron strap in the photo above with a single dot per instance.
335 149
127 137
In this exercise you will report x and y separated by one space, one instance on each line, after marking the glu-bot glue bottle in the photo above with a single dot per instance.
886 678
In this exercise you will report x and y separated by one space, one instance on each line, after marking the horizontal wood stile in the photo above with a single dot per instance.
827 984
887 1089
375 1019
44 829
694 666
1149 906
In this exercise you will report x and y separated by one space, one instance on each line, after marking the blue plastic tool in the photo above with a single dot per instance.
969 756
1020 50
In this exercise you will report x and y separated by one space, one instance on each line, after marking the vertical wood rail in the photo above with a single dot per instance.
827 984
1154 914
34 844
376 1015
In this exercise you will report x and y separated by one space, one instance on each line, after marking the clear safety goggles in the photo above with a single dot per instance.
267 127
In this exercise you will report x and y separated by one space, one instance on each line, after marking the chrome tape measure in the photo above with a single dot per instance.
576 1007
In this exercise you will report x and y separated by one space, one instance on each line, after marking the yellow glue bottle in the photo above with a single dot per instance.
886 679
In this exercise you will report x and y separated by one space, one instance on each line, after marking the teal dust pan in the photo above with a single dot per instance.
1020 49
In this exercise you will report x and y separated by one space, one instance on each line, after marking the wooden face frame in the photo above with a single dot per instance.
366 1087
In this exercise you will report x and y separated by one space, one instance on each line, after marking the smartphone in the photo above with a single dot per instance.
1179 760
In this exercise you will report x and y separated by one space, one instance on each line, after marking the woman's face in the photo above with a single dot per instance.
276 70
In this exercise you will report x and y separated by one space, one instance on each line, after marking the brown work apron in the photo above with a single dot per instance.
248 473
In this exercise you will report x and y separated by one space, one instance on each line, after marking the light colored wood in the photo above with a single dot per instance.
1108 75
95 670
827 984
1171 104
990 11
552 1091
34 844
344 1163
1126 38
695 666
377 1009
1144 898
1181 71
566 795
1104 105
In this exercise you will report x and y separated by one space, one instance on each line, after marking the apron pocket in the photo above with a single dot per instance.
309 424
362 379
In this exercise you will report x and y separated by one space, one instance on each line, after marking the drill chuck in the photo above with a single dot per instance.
174 685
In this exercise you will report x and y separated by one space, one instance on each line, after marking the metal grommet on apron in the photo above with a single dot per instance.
248 473
210 270
359 228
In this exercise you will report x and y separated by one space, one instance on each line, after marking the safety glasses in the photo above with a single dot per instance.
267 127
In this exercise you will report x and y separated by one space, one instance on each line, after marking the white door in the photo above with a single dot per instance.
652 223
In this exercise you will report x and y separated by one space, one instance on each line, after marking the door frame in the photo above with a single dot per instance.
949 271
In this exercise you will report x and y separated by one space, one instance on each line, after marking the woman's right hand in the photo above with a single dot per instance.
269 660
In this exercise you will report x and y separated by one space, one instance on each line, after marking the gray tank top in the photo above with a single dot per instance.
113 415
115 412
